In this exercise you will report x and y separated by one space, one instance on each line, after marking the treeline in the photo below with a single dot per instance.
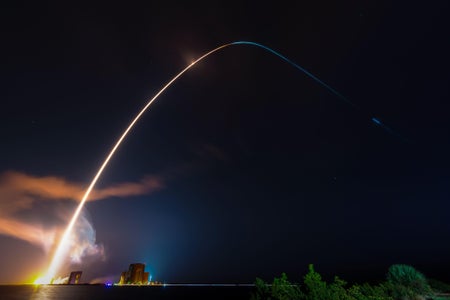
403 282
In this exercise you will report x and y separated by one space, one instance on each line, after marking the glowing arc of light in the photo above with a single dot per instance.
63 244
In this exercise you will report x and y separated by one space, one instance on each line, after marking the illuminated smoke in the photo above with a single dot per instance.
82 241
20 190
24 194
61 280
15 184
34 234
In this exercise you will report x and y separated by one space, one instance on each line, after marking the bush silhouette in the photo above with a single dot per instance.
407 282
403 283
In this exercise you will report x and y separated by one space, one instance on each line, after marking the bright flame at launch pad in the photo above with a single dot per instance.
63 245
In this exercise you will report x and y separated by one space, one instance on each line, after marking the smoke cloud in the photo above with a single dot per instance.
82 241
22 194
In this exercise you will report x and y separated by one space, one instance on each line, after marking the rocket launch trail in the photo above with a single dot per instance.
63 245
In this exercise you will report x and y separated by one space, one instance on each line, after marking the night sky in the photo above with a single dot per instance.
245 167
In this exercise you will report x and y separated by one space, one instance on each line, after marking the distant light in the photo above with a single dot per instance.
108 284
376 121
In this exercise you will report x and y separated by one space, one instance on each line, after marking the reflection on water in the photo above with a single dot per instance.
101 292
59 292
43 292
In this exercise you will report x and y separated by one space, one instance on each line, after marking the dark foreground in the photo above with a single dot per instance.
79 292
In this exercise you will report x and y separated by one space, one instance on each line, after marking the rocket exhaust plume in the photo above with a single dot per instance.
21 193
63 246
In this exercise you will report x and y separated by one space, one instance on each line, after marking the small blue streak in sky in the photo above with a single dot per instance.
376 121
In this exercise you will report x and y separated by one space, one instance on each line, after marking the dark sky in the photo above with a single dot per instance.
259 169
